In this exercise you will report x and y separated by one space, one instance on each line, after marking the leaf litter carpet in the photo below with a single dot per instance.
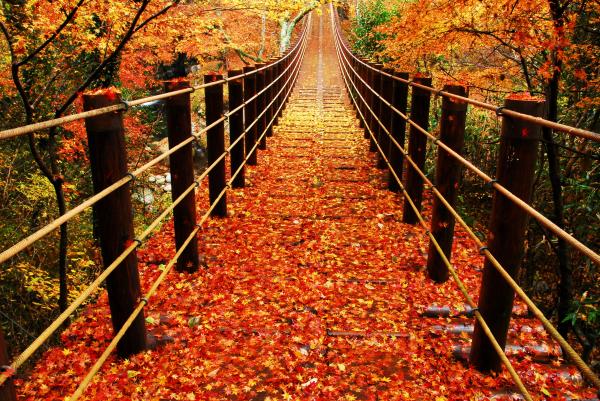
313 288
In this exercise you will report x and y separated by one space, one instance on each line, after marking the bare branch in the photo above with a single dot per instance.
106 61
491 34
156 15
525 72
176 2
8 40
27 106
15 76
46 87
57 32
38 159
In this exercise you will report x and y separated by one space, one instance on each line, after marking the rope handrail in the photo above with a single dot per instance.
126 104
543 220
144 301
245 131
454 274
42 232
45 335
85 294
582 133
573 355
267 87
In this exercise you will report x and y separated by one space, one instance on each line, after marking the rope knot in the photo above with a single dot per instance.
131 176
491 182
7 371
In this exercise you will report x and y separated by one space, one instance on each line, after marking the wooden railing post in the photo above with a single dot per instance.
215 144
293 63
181 164
113 217
260 107
357 84
294 68
269 77
370 97
364 73
519 146
285 82
400 102
250 114
378 106
417 144
7 390
385 113
236 128
447 178
278 85
355 67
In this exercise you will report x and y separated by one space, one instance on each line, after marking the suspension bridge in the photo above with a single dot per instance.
313 259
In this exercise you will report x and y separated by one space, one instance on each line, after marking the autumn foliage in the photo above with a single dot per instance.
53 51
312 289
495 45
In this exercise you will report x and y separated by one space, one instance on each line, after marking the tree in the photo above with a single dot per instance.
23 26
288 13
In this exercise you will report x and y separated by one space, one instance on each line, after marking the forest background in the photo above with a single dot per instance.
53 50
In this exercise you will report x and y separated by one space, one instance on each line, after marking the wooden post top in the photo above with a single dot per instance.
177 84
212 77
234 73
98 99
452 104
521 129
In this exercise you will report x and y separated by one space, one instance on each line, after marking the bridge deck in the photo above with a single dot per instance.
313 288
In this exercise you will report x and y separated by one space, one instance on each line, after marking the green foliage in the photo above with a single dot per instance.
370 15
584 310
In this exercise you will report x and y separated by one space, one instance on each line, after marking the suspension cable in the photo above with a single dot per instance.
234 143
250 100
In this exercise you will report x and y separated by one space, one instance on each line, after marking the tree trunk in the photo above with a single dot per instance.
285 35
287 27
263 35
566 278
63 298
